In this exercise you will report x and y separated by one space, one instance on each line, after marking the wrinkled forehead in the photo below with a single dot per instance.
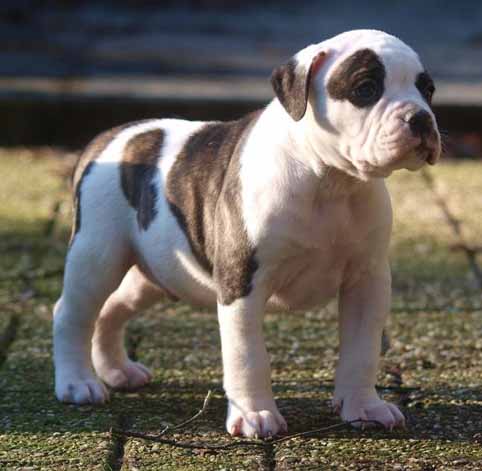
399 60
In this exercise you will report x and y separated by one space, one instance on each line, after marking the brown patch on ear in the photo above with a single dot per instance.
291 84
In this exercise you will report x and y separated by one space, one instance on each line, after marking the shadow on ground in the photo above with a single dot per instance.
433 369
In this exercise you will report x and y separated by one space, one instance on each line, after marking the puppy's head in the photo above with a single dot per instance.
364 100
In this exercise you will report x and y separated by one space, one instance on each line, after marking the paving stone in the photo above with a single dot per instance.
437 351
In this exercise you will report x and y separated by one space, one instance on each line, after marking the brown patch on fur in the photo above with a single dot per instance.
361 67
84 166
137 169
204 194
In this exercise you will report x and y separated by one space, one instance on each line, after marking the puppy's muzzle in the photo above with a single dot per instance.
422 127
421 124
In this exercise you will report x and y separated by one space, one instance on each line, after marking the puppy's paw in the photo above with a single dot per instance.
370 407
81 391
255 423
132 375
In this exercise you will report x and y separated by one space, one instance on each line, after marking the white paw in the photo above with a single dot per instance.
81 391
131 375
255 423
368 407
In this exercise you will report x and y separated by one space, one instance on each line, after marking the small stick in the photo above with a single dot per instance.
193 418
399 389
317 431
198 414
239 443
456 227
190 445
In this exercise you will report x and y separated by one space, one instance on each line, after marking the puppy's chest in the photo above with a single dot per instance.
312 254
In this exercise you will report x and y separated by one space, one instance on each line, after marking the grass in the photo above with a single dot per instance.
435 327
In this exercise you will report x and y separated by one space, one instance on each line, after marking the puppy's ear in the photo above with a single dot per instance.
291 83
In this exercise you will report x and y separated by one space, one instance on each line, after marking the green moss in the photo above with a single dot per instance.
438 352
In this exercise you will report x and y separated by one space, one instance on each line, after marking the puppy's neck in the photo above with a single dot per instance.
331 181
335 183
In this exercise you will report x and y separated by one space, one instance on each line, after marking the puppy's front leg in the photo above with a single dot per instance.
247 377
364 307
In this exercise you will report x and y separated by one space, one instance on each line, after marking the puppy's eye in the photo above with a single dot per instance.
428 92
425 86
367 90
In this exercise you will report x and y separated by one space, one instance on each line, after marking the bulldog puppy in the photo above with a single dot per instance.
283 209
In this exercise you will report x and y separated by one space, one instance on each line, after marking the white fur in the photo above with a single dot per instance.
313 205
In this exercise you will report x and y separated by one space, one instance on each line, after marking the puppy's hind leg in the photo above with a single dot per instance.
94 268
109 355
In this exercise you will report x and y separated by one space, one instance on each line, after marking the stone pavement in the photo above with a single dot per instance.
433 369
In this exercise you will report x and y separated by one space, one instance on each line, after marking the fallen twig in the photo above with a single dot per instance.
439 308
53 219
238 443
193 418
168 428
398 389
191 445
456 227
329 428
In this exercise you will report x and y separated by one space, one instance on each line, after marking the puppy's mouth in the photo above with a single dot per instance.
426 152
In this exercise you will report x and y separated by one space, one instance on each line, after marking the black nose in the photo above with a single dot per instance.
421 124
